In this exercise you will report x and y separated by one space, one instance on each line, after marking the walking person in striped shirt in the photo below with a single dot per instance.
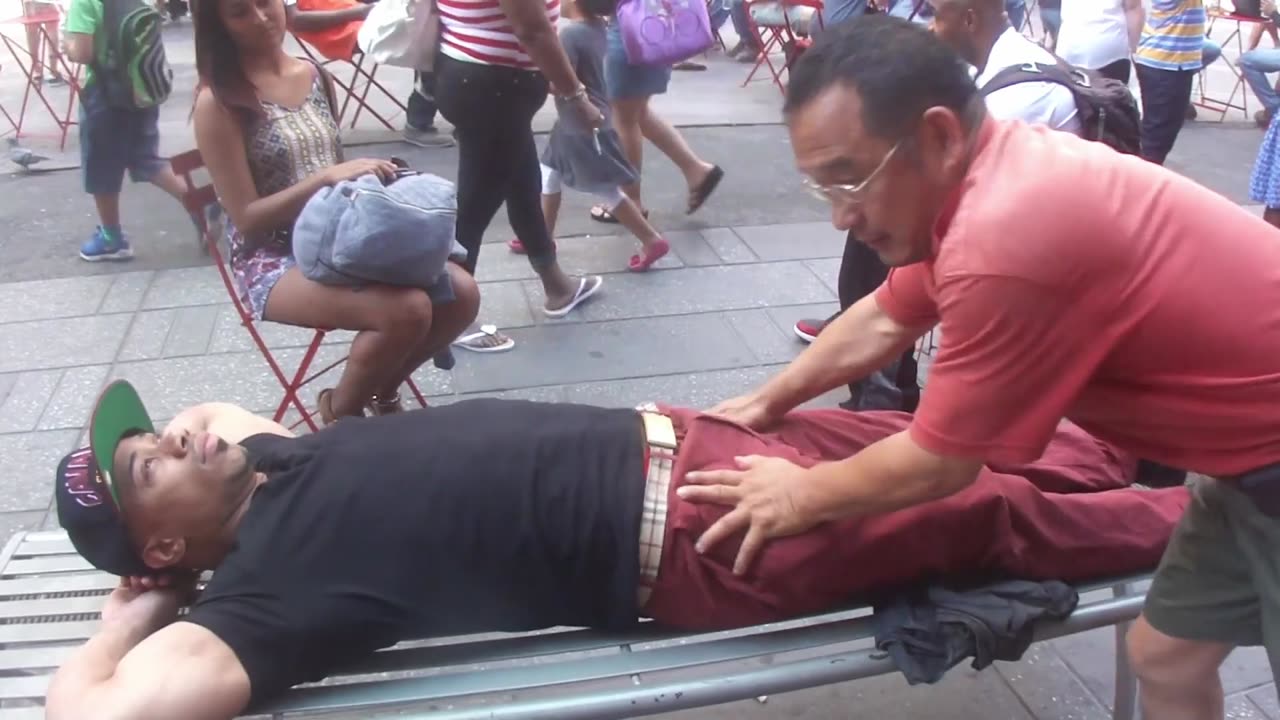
498 59
1170 53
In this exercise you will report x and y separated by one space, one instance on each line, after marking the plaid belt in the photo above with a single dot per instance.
660 456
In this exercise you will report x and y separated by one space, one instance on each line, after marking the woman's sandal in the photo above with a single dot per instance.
390 406
652 254
700 192
487 340
600 213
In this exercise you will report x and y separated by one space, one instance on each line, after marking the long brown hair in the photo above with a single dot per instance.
218 63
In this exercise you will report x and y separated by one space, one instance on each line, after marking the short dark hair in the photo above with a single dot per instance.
898 68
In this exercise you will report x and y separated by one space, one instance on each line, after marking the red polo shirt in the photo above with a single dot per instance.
1072 281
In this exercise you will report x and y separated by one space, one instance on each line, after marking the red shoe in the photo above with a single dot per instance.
808 329
517 247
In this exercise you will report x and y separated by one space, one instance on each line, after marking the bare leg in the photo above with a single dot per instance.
551 212
1178 679
168 182
629 215
55 55
33 45
628 113
393 324
108 209
672 144
449 320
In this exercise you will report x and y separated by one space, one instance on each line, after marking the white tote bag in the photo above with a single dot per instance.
401 33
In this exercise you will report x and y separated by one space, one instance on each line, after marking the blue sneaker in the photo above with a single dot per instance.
100 248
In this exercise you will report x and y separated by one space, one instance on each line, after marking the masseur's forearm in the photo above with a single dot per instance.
890 474
538 37
860 341
77 690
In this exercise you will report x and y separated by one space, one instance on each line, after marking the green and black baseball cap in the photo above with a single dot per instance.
87 493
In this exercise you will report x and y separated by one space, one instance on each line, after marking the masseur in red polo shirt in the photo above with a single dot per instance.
1067 280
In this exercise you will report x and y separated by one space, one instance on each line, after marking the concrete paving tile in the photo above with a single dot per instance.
767 341
192 330
45 344
127 291
169 385
503 304
1239 707
1266 700
705 289
14 522
546 393
229 335
584 352
20 411
1049 689
1092 656
45 299
72 402
6 385
592 254
794 241
728 246
828 271
184 287
694 390
30 460
692 247
146 337
962 693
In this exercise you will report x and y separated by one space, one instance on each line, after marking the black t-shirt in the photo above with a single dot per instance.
484 515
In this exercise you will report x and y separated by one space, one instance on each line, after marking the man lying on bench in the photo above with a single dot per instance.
497 515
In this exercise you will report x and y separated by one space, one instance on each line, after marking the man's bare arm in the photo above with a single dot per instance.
858 342
181 671
78 47
229 422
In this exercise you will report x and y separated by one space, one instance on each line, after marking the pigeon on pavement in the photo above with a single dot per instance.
23 157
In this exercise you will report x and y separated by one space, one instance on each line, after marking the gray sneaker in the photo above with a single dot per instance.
426 137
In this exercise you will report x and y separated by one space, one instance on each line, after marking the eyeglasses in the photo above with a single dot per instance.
841 193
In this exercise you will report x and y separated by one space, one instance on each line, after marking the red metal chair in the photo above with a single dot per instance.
197 200
781 36
356 88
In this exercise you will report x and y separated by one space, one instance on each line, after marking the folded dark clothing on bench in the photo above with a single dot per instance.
929 632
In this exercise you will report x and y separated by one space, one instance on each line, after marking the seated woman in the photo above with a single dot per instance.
265 125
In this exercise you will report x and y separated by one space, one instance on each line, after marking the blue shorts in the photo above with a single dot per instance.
113 140
622 79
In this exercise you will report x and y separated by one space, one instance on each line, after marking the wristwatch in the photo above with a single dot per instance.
580 92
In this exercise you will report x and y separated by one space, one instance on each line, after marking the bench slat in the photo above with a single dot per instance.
47 632
56 606
30 687
81 582
46 564
35 658
26 713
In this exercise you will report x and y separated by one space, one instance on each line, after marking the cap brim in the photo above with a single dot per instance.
119 411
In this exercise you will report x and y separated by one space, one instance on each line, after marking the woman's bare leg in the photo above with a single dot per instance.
628 116
448 322
392 324
672 144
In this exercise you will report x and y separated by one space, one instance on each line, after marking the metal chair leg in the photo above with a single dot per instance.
1125 704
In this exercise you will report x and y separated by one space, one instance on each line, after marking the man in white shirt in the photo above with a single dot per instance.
979 30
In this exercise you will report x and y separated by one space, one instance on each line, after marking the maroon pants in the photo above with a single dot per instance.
1067 516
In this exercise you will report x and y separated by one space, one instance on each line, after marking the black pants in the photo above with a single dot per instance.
491 108
1165 97
420 111
1118 70
894 387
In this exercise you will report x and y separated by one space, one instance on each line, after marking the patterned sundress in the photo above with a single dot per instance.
284 148
1264 184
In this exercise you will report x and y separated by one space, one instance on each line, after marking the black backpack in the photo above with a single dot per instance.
1107 110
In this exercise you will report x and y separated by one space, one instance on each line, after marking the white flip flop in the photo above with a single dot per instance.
586 288
464 342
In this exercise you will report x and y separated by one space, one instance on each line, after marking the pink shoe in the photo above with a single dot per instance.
652 254
517 247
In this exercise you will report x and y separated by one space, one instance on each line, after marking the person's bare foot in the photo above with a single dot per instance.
559 305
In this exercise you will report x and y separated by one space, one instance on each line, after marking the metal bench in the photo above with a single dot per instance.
49 602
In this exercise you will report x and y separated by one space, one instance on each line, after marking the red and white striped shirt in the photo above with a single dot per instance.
478 31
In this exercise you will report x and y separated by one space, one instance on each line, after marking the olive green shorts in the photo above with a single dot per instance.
1219 579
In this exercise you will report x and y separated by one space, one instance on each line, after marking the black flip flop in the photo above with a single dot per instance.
705 188
600 214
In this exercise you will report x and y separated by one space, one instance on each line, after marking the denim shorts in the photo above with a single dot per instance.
113 140
622 79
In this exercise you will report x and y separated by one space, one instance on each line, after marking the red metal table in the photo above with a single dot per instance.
61 112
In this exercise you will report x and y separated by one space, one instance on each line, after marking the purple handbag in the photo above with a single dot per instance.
663 32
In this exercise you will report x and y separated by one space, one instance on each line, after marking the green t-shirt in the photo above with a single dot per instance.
85 17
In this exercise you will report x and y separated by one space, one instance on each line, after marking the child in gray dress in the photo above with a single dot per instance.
586 160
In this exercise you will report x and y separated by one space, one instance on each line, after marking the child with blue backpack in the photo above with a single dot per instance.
587 160
126 80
